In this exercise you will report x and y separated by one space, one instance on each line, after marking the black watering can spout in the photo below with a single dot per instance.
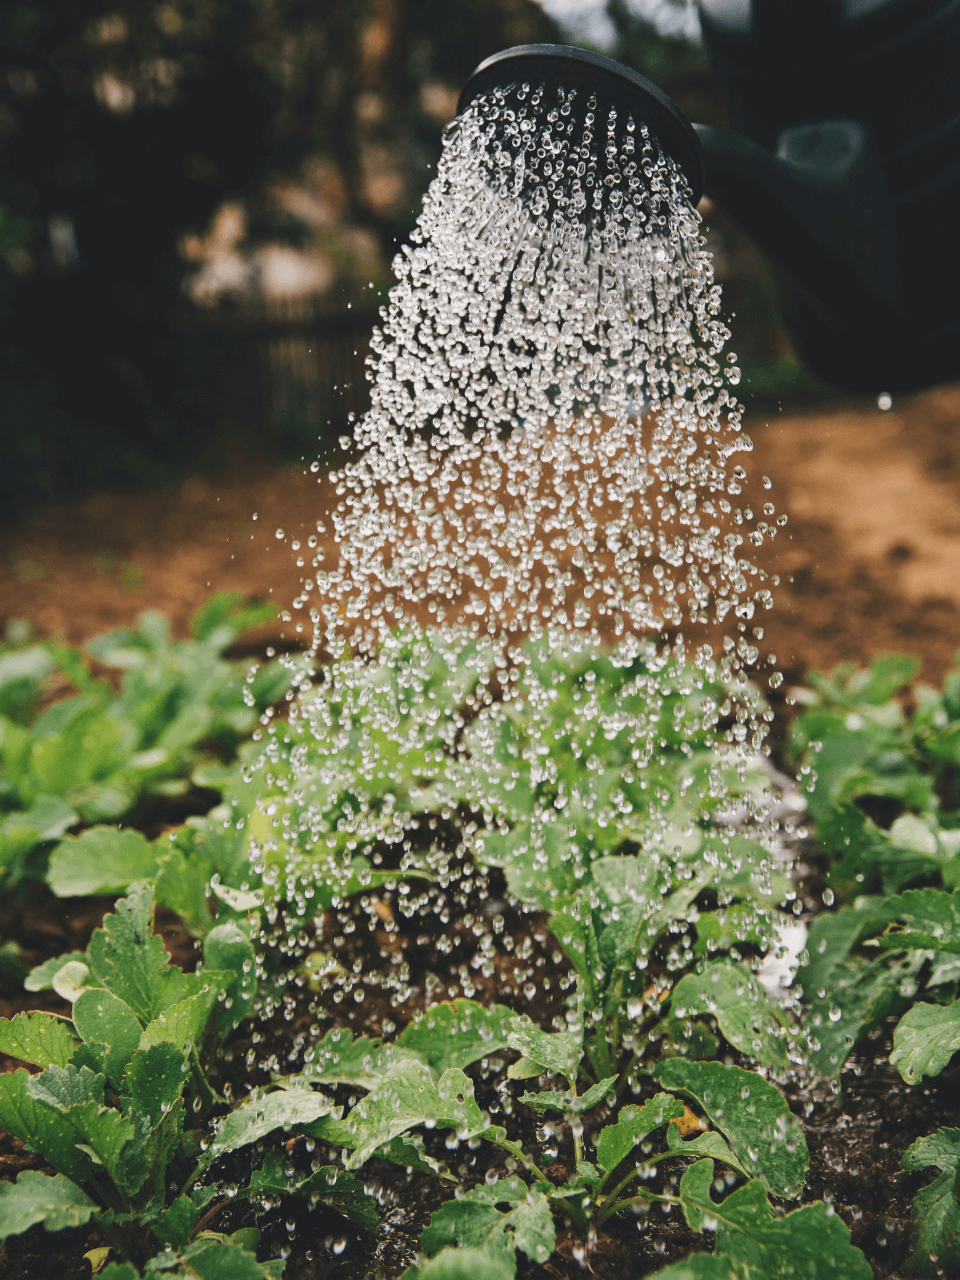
843 166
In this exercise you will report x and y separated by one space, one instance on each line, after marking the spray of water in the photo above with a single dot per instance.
547 482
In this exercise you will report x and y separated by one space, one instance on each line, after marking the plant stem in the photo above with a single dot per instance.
211 1213
577 1144
113 1237
647 1197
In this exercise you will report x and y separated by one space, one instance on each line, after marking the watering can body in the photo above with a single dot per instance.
844 165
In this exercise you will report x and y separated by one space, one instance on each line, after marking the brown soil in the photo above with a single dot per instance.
868 563
870 558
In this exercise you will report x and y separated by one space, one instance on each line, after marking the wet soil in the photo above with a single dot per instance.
856 1134
869 562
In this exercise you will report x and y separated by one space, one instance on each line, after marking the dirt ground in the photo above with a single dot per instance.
870 558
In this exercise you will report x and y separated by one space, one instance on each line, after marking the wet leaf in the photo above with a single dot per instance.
558 1051
633 1124
154 1079
78 1097
40 1127
753 1115
709 1144
40 1038
228 950
458 1033
128 958
746 1016
103 1018
184 1023
404 1099
101 860
807 1242
35 1197
260 1115
174 1225
339 1058
936 1212
211 1260
925 1039
328 1185
475 1221
461 1264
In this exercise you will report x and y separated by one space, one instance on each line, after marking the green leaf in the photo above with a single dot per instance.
556 1051
925 1039
940 1149
154 1079
182 885
70 981
77 1096
457 1033
329 1184
40 1038
128 958
633 1125
41 977
474 1221
35 1197
182 1024
174 1225
709 1144
461 1264
753 1115
119 1271
103 1018
40 1128
164 1139
936 1213
227 948
806 1243
340 1059
210 1260
704 1266
100 860
857 998
405 1098
263 1114
550 1100
746 1016
47 819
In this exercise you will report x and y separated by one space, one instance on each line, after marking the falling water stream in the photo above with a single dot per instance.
549 480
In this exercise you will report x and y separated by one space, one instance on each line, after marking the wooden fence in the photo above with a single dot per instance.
291 369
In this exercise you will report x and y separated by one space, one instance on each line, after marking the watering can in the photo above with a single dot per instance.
843 167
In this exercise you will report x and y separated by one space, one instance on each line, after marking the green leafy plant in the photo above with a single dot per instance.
91 757
936 1210
419 1083
881 758
880 957
623 847
117 1082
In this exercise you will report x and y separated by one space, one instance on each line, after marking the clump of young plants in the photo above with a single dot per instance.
615 1150
94 756
122 1087
880 757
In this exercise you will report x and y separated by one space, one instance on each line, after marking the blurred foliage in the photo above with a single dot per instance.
124 125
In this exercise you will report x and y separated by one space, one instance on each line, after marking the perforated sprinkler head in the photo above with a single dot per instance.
609 83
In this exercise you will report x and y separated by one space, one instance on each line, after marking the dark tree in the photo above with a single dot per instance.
123 126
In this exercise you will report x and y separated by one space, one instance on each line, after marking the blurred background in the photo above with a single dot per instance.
200 201
199 204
